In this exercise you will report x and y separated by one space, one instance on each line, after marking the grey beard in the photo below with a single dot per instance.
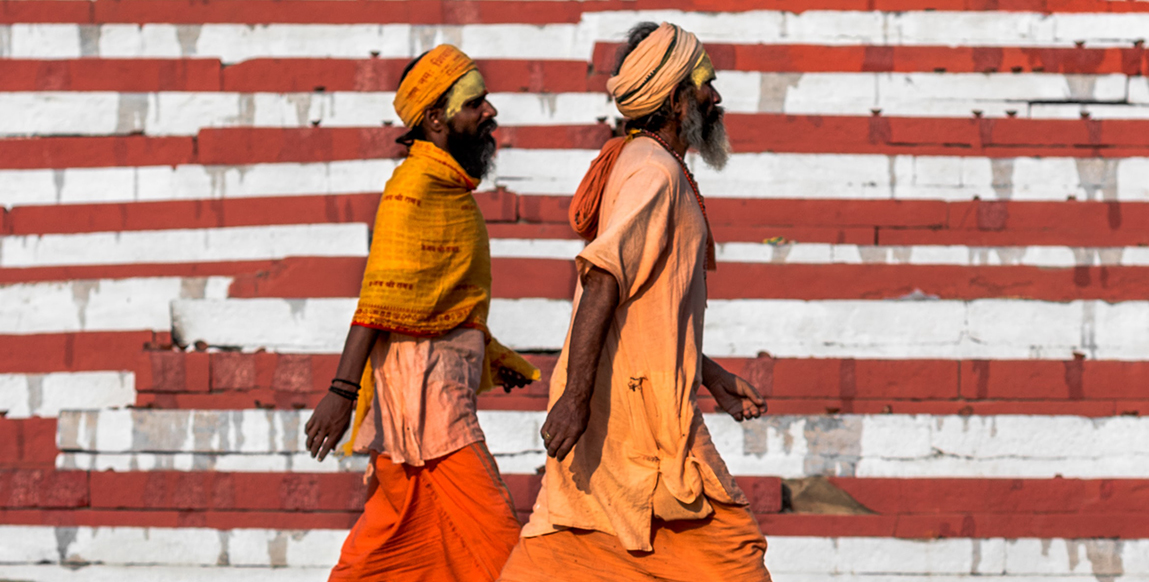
706 136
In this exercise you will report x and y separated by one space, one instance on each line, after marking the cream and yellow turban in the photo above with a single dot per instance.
655 67
432 76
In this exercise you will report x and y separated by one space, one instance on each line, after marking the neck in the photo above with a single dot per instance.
669 134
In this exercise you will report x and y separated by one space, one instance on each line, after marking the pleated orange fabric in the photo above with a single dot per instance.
587 199
451 520
727 546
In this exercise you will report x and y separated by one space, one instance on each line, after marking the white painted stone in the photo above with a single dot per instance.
44 395
886 445
190 182
558 172
186 245
787 328
55 573
100 305
237 42
152 550
895 94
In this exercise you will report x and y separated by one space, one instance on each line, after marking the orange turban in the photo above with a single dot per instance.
652 71
428 80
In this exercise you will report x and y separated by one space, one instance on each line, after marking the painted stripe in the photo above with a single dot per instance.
979 223
750 133
558 172
237 42
754 272
44 395
99 305
882 445
259 549
185 113
991 329
999 95
526 11
506 75
185 245
100 573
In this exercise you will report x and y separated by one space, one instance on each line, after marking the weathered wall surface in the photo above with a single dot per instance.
932 260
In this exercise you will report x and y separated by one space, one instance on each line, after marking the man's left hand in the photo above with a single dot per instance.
737 396
510 379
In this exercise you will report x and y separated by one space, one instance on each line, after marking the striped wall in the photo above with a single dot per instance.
932 260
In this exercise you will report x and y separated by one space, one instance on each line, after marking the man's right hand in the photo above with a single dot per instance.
327 424
565 423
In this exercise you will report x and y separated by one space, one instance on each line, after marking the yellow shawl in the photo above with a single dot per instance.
429 270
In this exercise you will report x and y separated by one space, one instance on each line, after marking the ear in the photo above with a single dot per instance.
434 120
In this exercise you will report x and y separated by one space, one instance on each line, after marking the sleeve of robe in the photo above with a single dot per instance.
634 236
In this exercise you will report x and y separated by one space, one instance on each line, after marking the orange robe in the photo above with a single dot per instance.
451 520
644 494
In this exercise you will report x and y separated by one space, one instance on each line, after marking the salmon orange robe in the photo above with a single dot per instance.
645 483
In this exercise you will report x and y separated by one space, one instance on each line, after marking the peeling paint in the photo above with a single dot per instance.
975 558
302 104
1105 557
224 548
277 550
81 295
246 109
58 178
1089 328
1098 177
1081 87
298 307
65 537
5 41
188 37
773 89
1002 177
834 445
159 432
131 112
193 287
89 39
35 393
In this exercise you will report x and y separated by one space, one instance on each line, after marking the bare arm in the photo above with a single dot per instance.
736 396
331 417
568 418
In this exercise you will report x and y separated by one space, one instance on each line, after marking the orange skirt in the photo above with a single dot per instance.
450 520
727 546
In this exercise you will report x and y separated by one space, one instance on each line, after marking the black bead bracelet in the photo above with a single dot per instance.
348 394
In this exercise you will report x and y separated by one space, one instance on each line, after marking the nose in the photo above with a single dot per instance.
717 97
489 110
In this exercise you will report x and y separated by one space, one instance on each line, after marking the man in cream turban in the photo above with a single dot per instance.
634 488
437 508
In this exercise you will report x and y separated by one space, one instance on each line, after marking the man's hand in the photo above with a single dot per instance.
565 423
511 379
736 396
327 424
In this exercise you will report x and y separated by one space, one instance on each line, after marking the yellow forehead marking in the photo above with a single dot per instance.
468 87
703 71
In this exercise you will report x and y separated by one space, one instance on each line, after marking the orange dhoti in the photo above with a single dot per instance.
449 520
727 546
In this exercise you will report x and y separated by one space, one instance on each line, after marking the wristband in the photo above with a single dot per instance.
352 396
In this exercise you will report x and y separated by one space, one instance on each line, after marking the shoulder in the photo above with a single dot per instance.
645 157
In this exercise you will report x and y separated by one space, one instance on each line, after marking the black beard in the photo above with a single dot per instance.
474 152
706 133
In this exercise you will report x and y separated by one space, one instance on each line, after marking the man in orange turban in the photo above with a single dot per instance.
437 509
634 488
